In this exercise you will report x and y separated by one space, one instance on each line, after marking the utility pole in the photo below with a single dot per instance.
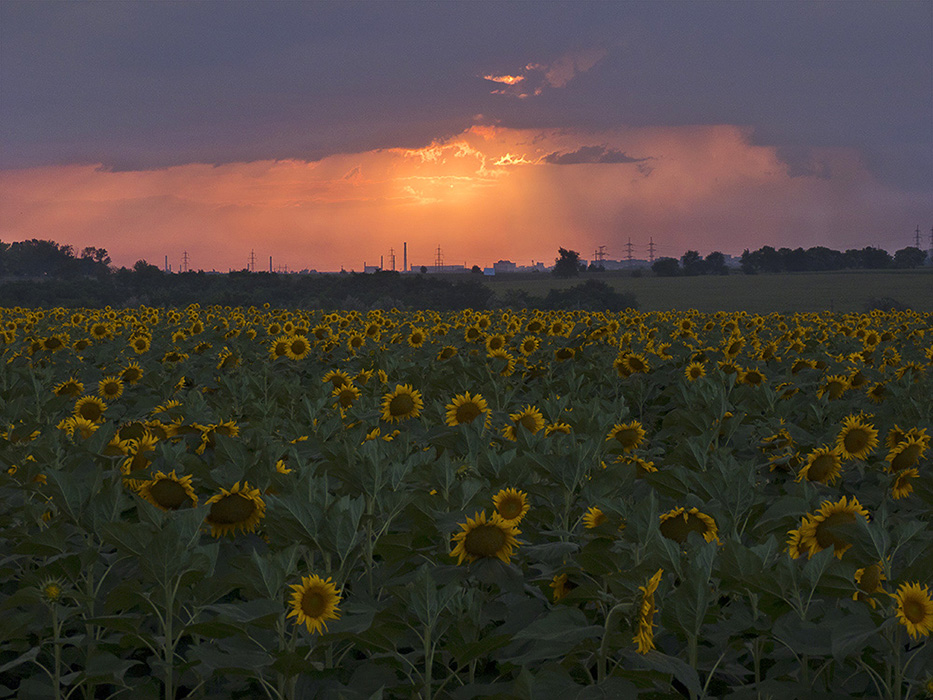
651 250
628 249
405 256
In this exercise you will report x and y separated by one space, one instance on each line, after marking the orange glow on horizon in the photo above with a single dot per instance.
486 194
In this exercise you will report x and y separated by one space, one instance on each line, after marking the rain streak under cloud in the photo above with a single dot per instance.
325 136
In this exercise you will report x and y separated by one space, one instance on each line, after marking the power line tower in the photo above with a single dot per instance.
599 255
438 259
651 247
628 249
917 237
184 261
252 261
392 258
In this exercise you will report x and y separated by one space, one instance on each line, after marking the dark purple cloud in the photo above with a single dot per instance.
590 154
150 84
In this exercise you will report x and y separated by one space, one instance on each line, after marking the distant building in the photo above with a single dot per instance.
504 266
369 269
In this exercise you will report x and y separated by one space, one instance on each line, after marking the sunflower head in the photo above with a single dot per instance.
644 638
915 609
401 404
464 408
694 371
823 465
857 438
168 491
628 435
529 419
90 408
236 509
820 530
314 601
110 388
594 517
511 505
480 538
678 523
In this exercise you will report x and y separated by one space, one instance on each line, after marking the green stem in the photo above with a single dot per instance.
168 646
428 662
57 652
692 658
604 645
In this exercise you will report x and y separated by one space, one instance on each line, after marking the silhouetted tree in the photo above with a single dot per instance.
692 263
666 267
909 257
568 264
715 264
476 270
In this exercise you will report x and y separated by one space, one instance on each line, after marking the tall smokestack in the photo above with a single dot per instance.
405 257
270 263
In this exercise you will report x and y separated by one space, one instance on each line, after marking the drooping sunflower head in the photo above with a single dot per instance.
594 517
345 396
70 387
168 491
511 505
821 530
560 586
906 455
628 435
868 581
90 408
857 438
823 465
902 487
236 509
915 609
314 601
464 408
834 387
644 638
678 523
529 419
480 538
401 404
446 352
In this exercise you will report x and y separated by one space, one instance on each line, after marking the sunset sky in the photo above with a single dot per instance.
324 134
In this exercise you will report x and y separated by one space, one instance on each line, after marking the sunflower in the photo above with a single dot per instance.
76 425
901 487
401 404
915 609
132 373
834 386
593 518
560 586
236 509
635 363
416 337
877 392
481 539
168 491
694 371
110 388
137 451
857 438
314 602
464 408
528 345
345 396
868 581
446 352
906 455
628 435
529 418
823 465
511 505
558 428
753 377
297 347
355 342
279 347
495 342
227 359
676 524
70 387
645 636
90 408
337 378
817 531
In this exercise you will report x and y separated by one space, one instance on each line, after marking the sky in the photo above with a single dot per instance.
326 135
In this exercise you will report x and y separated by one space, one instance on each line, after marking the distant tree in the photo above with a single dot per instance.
476 270
715 264
424 269
666 267
595 268
909 257
749 266
568 264
692 263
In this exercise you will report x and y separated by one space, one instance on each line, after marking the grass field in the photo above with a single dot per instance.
801 292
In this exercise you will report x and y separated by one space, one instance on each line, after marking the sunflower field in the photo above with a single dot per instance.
254 502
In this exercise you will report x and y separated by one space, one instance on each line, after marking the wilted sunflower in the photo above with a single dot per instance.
868 580
676 524
818 531
857 438
511 505
823 465
644 638
137 451
90 408
401 404
560 586
236 509
694 371
529 418
485 539
901 486
314 602
464 408
915 609
110 388
628 435
168 491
